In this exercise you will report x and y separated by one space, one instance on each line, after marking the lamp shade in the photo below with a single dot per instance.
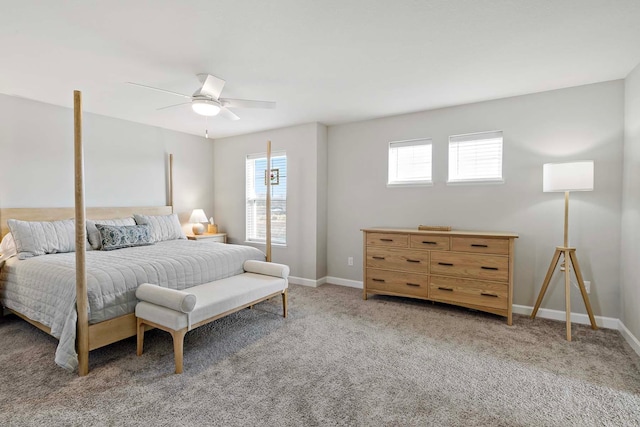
561 177
198 216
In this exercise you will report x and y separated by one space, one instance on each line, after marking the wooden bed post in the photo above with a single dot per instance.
268 205
82 339
171 181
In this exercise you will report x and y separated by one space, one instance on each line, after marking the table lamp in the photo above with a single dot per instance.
567 177
197 218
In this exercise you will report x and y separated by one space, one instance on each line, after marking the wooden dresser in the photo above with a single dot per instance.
468 268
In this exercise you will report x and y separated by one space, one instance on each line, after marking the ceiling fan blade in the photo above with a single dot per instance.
228 114
245 103
211 86
160 90
174 105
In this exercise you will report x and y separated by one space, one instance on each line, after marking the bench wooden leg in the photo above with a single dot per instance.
140 334
284 303
178 347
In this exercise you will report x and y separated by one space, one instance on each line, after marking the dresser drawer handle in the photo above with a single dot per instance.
377 257
378 280
489 268
429 243
486 294
386 240
413 260
413 284
445 289
479 246
446 263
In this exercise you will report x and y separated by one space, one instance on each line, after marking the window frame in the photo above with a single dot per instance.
470 138
410 183
253 158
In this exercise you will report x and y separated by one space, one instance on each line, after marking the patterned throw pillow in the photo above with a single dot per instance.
94 235
163 227
123 236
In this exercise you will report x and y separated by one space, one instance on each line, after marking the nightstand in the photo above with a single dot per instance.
210 237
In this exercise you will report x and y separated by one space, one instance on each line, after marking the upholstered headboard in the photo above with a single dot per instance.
53 214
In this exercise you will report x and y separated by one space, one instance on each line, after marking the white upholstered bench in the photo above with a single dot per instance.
178 312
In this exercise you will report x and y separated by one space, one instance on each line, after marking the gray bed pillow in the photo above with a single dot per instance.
162 227
94 235
123 236
34 238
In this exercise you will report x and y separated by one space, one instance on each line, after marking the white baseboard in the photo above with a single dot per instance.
327 279
583 319
344 282
307 282
631 339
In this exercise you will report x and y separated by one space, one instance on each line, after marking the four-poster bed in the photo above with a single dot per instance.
91 336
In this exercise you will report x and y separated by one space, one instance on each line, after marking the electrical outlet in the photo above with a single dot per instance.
587 286
350 260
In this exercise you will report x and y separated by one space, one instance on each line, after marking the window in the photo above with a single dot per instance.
410 162
475 157
256 195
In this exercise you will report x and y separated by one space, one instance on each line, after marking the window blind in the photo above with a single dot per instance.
410 162
256 198
475 157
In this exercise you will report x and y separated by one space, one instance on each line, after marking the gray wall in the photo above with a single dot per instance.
304 145
631 206
125 162
571 124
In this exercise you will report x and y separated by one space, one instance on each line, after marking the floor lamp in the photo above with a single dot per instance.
566 177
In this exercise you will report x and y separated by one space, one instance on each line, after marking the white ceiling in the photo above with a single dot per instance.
331 61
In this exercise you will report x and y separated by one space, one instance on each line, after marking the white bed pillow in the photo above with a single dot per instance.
34 238
95 240
162 227
7 247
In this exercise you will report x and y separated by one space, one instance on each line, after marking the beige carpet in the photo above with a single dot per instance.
337 360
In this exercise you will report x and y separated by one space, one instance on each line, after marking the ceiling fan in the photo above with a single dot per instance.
206 100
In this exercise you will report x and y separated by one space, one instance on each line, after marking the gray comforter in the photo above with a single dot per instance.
43 288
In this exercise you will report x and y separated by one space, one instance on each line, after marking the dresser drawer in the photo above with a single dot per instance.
462 291
480 245
398 259
399 283
465 268
433 243
388 240
477 266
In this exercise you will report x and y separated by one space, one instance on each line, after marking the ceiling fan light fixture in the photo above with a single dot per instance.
205 107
